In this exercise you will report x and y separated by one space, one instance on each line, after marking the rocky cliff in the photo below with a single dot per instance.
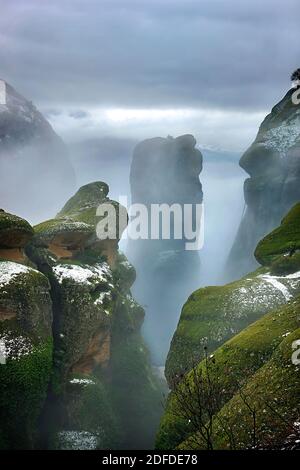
164 171
236 342
76 373
273 163
29 147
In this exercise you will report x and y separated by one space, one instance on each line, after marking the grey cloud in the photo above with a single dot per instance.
224 54
79 114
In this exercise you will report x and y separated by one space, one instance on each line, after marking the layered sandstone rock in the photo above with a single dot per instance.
74 292
25 336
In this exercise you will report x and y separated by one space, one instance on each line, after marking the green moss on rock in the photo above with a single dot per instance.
24 383
213 315
88 196
282 242
235 366
15 232
26 336
90 422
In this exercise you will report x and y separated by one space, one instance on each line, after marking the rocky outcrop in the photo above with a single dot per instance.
15 233
240 338
30 147
25 337
281 248
214 314
100 371
164 171
273 163
255 385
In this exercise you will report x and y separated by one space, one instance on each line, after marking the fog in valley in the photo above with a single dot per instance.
109 159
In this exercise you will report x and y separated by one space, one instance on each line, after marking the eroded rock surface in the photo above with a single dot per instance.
73 292
273 163
240 337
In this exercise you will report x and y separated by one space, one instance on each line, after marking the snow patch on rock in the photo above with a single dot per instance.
273 280
88 275
14 347
77 440
283 137
103 296
82 382
10 270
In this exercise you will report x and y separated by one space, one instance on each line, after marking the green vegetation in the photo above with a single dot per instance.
280 249
88 407
213 315
24 382
238 365
86 197
14 231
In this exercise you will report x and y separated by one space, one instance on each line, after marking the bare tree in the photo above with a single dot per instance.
200 394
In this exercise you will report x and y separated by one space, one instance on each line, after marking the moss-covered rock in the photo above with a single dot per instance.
26 344
88 421
73 232
212 315
136 392
102 380
77 299
25 299
252 368
99 356
272 162
256 383
280 249
84 296
272 394
15 233
87 197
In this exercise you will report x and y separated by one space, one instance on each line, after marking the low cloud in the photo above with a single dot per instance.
214 55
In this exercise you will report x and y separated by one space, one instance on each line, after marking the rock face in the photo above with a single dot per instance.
164 171
242 337
77 297
273 163
15 233
25 337
281 248
34 163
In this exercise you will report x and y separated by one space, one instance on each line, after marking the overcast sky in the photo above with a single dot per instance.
140 68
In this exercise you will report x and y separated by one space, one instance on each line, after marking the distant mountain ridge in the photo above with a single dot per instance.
35 171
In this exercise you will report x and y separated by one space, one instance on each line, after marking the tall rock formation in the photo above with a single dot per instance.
239 345
35 172
273 163
76 372
25 336
164 171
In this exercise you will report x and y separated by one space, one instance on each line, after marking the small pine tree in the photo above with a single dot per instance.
295 77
